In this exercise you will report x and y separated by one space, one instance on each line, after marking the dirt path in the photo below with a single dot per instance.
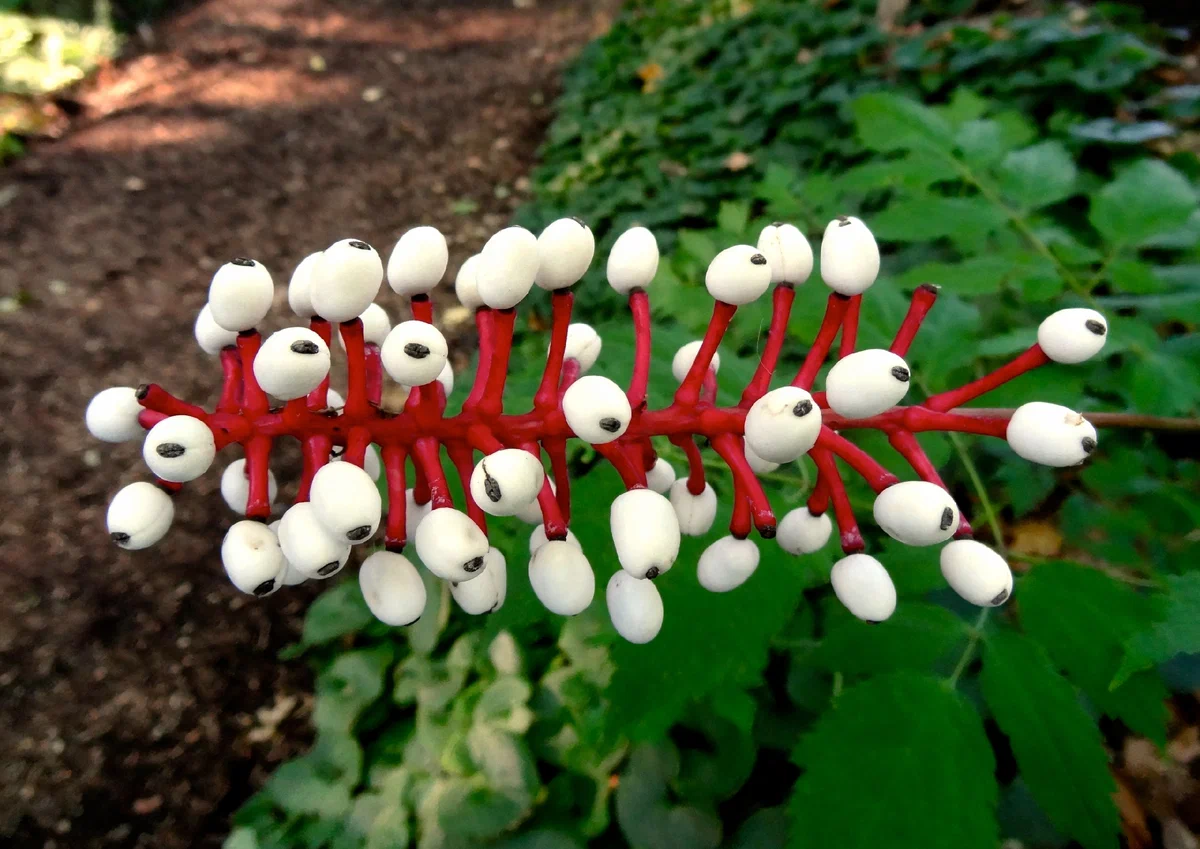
267 128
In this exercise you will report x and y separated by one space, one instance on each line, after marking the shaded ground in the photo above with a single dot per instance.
129 683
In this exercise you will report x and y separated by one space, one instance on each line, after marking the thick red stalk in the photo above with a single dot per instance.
248 343
427 457
922 302
393 466
851 536
835 311
492 402
374 375
818 501
850 327
781 311
570 373
639 307
463 459
876 476
631 472
695 484
318 399
357 404
258 464
688 392
910 449
316 454
1030 359
557 449
561 303
484 328
740 522
729 447
552 517
231 383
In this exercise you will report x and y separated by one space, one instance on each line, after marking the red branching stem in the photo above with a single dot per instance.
316 454
695 484
631 471
561 303
850 327
552 516
781 311
851 536
1028 360
571 372
256 402
422 308
910 449
357 404
818 501
876 476
231 381
484 328
427 457
922 302
318 399
740 522
492 402
149 418
639 306
463 459
258 460
708 389
421 493
688 392
557 449
374 375
729 447
357 442
835 310
393 467
154 397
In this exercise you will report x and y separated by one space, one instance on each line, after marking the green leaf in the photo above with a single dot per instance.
338 611
928 217
915 637
240 838
1147 199
887 122
645 813
299 787
929 764
351 683
732 217
1177 630
1038 176
1083 618
1134 277
765 829
1056 744
981 143
980 275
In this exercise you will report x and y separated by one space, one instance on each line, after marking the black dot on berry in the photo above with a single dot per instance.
610 424
170 450
578 221
472 566
305 346
872 621
265 587
242 261
329 568
653 572
758 259
359 533
362 246
1088 444
491 486
142 391
843 220
1096 327
119 538
416 350
778 223
767 532
947 519
901 374
803 408
999 598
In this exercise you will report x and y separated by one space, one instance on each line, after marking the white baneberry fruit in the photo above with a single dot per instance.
346 501
414 513
308 546
916 513
633 260
291 576
371 463
645 531
486 593
139 516
235 486
531 513
179 449
802 532
867 383
345 280
597 409
583 346
695 513
727 564
849 256
240 294
783 424
466 284
392 588
418 262
291 363
1073 335
681 364
414 353
252 558
1050 434
634 606
864 587
661 476
562 578
112 415
450 545
788 253
300 287
738 275
538 538
445 378
212 337
376 326
757 464
506 481
508 265
976 573
565 250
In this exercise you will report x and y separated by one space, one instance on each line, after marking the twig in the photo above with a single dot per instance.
1136 421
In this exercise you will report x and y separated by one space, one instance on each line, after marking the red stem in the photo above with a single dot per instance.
1030 359
688 392
818 502
484 327
258 459
910 449
357 404
740 522
835 310
231 383
851 536
318 399
316 454
492 402
374 375
393 466
729 447
547 394
428 458
695 484
639 307
876 476
850 327
920 305
255 403
463 459
557 449
781 311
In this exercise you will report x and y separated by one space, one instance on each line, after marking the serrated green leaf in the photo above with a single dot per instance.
1134 277
1083 618
1147 199
929 217
645 813
338 611
915 637
1177 630
887 122
299 788
929 763
1056 744
1038 176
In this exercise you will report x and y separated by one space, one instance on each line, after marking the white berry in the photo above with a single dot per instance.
645 531
376 325
562 578
538 538
252 558
916 513
291 363
788 253
633 260
308 546
864 587
299 291
414 513
345 280
531 513
240 294
291 576
508 265
212 337
976 573
235 486
758 465
661 476
727 564
139 516
686 355
583 346
466 284
418 262
849 256
596 409
565 250
414 353
867 383
346 501
179 449
450 545
801 532
486 593
506 481
783 424
1050 434
371 464
738 275
634 606
392 588
1072 336
695 513
112 415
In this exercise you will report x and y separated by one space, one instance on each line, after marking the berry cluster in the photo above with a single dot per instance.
348 443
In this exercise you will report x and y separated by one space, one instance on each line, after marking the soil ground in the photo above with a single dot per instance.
141 700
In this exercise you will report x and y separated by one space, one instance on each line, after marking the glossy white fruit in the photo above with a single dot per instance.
800 532
916 513
486 593
738 275
583 346
538 538
252 558
300 287
849 256
757 464
212 337
240 294
867 383
307 545
507 481
562 578
976 573
695 513
634 606
783 425
645 532
565 250
661 476
864 587
346 502
392 588
179 449
508 265
1073 335
291 576
291 363
727 564
1050 434
418 262
633 260
376 326
788 253
414 353
466 284
371 463
531 513
345 280
414 513
450 545
112 415
686 355
235 486
139 515
597 409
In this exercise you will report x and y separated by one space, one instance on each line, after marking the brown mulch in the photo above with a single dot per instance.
130 683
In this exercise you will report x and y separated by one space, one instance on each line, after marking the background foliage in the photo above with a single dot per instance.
1023 163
